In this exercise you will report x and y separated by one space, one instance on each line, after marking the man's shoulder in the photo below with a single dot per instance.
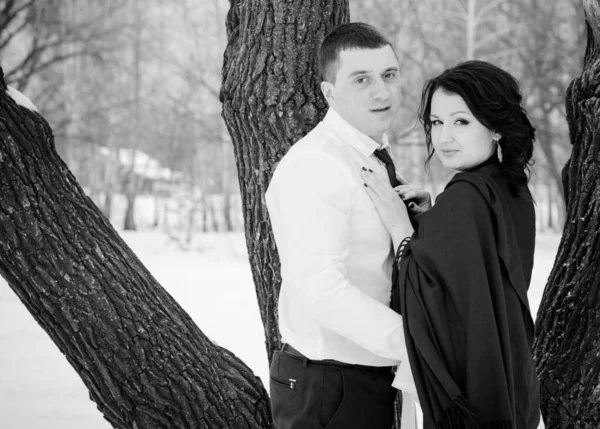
320 153
321 141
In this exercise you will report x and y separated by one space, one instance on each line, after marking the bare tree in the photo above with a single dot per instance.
568 339
550 54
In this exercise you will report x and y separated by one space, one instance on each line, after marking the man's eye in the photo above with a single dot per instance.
389 76
361 80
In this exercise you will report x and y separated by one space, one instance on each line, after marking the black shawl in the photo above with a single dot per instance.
461 286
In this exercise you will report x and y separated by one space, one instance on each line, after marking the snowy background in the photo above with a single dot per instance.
40 390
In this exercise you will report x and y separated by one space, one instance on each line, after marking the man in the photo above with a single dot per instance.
342 342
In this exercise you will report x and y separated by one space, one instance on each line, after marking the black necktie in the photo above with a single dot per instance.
385 157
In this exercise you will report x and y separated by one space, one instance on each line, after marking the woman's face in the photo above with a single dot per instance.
460 141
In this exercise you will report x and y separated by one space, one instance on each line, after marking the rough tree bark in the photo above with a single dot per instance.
567 349
271 98
144 361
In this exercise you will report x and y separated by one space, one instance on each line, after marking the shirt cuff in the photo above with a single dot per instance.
404 380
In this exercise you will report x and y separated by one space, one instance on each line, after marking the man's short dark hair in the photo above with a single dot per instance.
353 35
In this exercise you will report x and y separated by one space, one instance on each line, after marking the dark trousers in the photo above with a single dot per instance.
314 395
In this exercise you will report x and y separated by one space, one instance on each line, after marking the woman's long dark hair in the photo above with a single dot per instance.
494 98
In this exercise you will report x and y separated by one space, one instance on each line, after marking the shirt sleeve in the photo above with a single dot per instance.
310 208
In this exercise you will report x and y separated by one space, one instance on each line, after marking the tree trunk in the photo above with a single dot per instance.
190 227
568 336
546 144
204 213
144 361
156 221
551 203
226 182
271 98
129 223
213 215
227 213
107 204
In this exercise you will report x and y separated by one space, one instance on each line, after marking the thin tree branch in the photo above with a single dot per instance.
6 39
9 17
491 37
487 8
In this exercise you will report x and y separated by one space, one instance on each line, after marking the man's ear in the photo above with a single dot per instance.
328 93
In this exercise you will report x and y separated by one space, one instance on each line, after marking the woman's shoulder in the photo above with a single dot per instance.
488 181
479 194
493 184
465 188
459 216
464 203
478 178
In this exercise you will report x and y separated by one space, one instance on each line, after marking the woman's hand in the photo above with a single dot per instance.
420 199
391 209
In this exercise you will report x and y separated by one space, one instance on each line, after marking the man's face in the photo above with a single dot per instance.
366 91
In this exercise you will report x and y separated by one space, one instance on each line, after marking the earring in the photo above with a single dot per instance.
499 150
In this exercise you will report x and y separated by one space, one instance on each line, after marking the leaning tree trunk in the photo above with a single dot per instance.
567 349
144 361
271 98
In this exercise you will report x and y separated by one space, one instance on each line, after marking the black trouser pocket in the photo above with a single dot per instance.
286 379
290 383
332 395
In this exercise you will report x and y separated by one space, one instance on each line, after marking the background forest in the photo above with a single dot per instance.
131 90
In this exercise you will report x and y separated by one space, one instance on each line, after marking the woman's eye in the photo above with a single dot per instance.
435 122
461 122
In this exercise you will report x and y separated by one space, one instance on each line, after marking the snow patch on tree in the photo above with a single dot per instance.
20 98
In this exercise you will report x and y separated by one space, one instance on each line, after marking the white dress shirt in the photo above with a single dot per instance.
336 255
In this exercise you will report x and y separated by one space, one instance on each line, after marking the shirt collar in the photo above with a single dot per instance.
358 140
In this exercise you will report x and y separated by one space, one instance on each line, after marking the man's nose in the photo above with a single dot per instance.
380 90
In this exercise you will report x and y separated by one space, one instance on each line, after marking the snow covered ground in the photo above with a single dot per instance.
213 283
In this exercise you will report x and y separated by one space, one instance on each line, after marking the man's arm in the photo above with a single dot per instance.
310 207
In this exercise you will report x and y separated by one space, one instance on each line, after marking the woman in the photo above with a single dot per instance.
461 280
